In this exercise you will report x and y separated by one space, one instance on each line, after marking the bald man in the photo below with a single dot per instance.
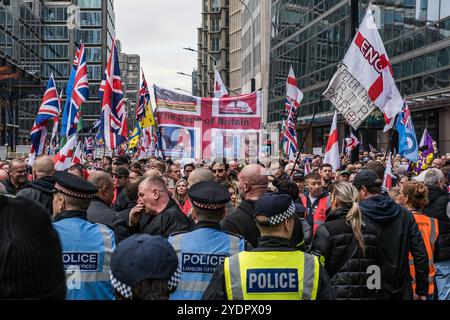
200 175
252 186
41 189
99 210
156 213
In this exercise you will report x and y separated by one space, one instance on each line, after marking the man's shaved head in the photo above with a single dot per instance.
100 179
200 175
255 175
43 166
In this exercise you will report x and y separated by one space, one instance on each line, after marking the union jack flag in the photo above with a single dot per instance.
114 118
289 132
144 98
77 93
49 110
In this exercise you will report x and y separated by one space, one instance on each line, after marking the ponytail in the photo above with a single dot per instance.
347 196
353 218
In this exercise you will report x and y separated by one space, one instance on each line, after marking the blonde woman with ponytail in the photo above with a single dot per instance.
347 244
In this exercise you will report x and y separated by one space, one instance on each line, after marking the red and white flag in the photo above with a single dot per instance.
388 175
63 160
78 155
220 90
368 62
351 143
365 79
332 151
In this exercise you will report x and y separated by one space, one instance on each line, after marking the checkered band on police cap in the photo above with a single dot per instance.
174 280
123 289
279 218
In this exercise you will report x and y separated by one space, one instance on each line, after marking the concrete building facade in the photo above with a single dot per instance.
213 44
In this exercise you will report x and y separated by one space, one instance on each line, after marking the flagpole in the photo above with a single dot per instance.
316 109
391 139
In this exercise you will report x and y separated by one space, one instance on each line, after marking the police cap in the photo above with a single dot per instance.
277 207
209 195
143 257
73 186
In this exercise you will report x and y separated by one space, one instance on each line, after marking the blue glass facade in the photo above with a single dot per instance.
312 35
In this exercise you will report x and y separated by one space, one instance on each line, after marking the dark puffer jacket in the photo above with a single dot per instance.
40 191
437 209
398 235
331 241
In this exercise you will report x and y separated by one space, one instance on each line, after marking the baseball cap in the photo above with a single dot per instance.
366 178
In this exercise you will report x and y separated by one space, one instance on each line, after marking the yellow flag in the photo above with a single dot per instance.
134 140
149 120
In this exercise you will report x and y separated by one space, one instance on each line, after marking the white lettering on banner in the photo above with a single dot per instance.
349 97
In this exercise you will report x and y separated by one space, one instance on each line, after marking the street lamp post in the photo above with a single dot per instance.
204 53
179 89
200 82
253 84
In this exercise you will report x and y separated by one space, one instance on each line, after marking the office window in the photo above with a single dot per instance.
215 44
91 19
90 36
96 4
215 5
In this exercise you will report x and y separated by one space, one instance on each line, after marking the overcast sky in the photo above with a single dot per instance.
157 30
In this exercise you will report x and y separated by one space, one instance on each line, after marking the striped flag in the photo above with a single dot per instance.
114 118
144 99
49 110
332 151
289 132
77 93
63 160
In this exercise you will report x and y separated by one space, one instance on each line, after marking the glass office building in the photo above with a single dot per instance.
312 35
95 27
20 67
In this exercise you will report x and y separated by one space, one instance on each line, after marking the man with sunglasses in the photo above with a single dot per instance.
220 172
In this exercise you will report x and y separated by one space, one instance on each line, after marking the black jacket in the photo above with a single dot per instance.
169 221
216 288
242 222
399 235
12 190
40 191
437 209
122 200
332 240
99 212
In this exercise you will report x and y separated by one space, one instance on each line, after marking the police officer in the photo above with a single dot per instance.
273 271
87 247
201 251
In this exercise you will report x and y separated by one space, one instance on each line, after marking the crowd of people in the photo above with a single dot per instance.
119 228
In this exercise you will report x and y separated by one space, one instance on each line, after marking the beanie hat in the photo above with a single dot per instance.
31 264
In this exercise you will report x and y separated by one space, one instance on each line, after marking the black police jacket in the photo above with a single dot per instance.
216 288
348 275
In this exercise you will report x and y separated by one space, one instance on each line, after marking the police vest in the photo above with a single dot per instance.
319 212
200 253
254 275
87 250
429 230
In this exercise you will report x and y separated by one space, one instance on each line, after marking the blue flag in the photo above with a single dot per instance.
407 141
